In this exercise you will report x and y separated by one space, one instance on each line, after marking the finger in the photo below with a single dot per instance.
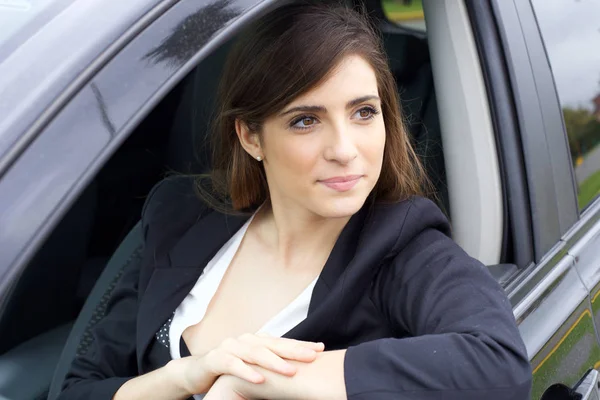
291 351
265 358
267 340
261 356
229 364
286 348
316 346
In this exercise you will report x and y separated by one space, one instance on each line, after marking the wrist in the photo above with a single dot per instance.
175 374
234 387
225 388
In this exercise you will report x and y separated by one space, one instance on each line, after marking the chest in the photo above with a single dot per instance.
340 316
252 295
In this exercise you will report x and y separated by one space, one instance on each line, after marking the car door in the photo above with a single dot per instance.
551 295
53 159
551 300
571 34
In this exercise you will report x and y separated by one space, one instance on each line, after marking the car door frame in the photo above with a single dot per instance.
85 129
550 300
155 59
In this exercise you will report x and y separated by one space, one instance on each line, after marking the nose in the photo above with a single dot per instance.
340 147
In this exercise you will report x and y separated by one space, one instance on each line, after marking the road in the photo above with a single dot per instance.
590 164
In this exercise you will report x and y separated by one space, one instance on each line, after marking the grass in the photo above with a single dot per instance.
396 11
589 189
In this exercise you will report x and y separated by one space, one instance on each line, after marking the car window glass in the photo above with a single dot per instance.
571 33
405 13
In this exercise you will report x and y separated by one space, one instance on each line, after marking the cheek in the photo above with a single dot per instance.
374 144
294 156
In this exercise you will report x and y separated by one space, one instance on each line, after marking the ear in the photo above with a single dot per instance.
249 140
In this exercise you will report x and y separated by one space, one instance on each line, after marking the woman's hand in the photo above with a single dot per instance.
321 379
225 388
235 356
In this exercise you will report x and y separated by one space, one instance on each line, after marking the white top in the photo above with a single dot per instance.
193 308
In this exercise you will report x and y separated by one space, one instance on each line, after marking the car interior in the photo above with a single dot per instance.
75 270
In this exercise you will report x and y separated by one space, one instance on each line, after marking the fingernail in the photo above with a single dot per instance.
289 368
257 378
307 352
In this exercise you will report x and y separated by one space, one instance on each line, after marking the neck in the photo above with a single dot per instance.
298 238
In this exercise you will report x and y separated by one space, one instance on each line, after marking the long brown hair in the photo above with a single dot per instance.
281 56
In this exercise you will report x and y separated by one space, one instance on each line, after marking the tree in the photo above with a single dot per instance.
583 130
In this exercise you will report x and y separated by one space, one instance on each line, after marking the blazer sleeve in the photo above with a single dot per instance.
111 358
463 341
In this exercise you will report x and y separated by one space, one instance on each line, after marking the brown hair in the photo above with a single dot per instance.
281 56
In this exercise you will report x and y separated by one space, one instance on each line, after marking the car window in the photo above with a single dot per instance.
571 33
405 13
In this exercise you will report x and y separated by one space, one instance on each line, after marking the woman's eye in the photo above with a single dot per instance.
303 122
366 113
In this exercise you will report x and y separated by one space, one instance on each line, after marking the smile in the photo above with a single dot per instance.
341 183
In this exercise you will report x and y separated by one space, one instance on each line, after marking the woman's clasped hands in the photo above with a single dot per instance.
236 358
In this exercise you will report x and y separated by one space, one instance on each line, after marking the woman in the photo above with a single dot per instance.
328 277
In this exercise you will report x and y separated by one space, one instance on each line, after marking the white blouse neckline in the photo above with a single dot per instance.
193 308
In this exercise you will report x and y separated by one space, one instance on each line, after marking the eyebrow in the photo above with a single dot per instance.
322 109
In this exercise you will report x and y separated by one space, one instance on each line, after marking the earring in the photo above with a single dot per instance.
259 158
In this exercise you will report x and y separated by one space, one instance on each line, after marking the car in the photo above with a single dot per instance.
101 100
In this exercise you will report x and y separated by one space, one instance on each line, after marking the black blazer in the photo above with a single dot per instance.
419 317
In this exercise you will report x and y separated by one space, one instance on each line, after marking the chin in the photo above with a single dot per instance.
345 206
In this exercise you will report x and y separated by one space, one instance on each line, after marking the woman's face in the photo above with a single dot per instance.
323 152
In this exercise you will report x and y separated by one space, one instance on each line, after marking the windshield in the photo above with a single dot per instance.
21 19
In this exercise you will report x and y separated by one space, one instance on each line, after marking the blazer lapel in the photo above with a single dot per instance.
365 244
323 299
176 273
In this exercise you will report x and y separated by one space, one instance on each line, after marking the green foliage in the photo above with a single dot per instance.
399 6
583 130
589 189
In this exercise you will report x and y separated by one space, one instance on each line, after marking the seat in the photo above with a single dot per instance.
127 255
411 66
27 368
52 274
188 149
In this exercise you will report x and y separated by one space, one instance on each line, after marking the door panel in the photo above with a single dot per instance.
584 244
41 181
555 320
568 354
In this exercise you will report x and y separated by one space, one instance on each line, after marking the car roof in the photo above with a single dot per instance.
46 54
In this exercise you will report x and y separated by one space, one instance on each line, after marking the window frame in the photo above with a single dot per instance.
548 169
518 239
105 134
554 97
475 189
470 150
544 150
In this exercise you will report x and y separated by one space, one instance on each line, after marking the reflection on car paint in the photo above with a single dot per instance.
194 31
567 356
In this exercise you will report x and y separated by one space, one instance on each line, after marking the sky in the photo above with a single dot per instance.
571 32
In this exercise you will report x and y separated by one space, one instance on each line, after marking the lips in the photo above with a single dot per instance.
341 183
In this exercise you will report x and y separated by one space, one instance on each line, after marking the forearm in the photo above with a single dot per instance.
322 379
161 384
459 366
